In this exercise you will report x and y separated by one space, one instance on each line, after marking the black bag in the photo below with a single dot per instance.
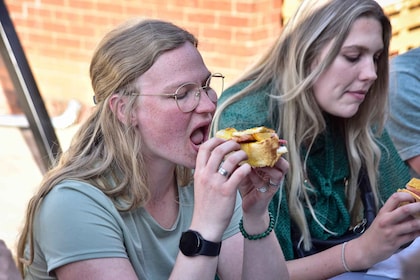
369 212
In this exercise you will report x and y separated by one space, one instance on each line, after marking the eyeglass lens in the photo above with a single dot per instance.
188 95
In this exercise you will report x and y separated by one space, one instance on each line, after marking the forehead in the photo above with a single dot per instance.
365 32
174 67
365 35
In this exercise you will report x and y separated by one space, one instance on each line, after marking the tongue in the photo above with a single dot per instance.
197 137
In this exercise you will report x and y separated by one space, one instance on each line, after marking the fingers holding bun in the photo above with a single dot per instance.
262 145
413 188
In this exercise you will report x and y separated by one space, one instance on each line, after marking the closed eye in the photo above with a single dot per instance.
352 59
186 90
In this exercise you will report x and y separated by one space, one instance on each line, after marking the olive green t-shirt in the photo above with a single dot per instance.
76 221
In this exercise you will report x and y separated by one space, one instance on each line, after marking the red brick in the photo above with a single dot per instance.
230 20
59 36
85 5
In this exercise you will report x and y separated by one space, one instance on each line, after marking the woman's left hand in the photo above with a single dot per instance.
259 187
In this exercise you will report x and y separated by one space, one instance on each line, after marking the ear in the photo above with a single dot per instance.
118 105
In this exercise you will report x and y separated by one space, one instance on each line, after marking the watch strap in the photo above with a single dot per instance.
210 248
192 244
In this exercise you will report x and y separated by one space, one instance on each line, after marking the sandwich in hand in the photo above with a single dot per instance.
261 144
413 188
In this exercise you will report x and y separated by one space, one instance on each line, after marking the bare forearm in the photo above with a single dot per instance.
264 258
326 264
198 267
321 266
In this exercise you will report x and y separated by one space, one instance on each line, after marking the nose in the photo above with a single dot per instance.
368 70
205 104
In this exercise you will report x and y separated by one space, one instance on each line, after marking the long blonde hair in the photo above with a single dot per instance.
104 148
287 69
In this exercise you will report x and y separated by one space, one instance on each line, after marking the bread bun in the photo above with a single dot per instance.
413 188
261 144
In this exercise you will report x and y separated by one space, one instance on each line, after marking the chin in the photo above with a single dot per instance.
347 114
190 162
190 166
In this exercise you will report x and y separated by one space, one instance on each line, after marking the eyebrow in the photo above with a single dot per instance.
360 48
171 88
199 83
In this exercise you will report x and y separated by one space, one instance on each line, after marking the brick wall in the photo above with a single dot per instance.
405 20
403 14
59 36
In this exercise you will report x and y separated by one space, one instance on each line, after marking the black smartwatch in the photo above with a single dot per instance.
193 244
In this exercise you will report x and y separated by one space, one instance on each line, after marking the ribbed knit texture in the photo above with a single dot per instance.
327 169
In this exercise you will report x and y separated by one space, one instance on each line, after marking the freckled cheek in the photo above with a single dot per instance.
162 118
170 124
176 125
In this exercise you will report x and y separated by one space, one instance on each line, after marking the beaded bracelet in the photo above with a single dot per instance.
257 236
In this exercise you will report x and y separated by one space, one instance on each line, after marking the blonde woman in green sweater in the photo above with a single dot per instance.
323 86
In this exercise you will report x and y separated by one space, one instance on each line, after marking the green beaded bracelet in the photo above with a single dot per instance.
257 236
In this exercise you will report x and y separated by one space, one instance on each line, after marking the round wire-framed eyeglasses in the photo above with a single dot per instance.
187 96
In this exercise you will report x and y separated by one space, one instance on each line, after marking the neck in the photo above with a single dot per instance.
163 205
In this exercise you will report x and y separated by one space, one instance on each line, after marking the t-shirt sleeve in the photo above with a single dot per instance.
77 222
403 124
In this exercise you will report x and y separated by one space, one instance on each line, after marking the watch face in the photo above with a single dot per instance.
190 243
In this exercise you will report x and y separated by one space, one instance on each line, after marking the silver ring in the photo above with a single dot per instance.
223 171
263 189
272 184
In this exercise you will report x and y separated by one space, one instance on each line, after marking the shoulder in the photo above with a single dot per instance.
76 221
71 192
232 90
252 96
245 111
75 207
406 62
74 202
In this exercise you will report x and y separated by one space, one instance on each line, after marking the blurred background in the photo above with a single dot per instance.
58 38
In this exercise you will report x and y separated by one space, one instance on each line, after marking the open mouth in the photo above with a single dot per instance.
200 135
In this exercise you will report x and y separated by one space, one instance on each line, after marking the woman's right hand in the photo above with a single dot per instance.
215 193
394 226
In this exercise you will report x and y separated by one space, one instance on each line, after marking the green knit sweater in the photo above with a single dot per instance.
327 169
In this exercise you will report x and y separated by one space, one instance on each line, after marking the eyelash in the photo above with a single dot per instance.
351 59
355 59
